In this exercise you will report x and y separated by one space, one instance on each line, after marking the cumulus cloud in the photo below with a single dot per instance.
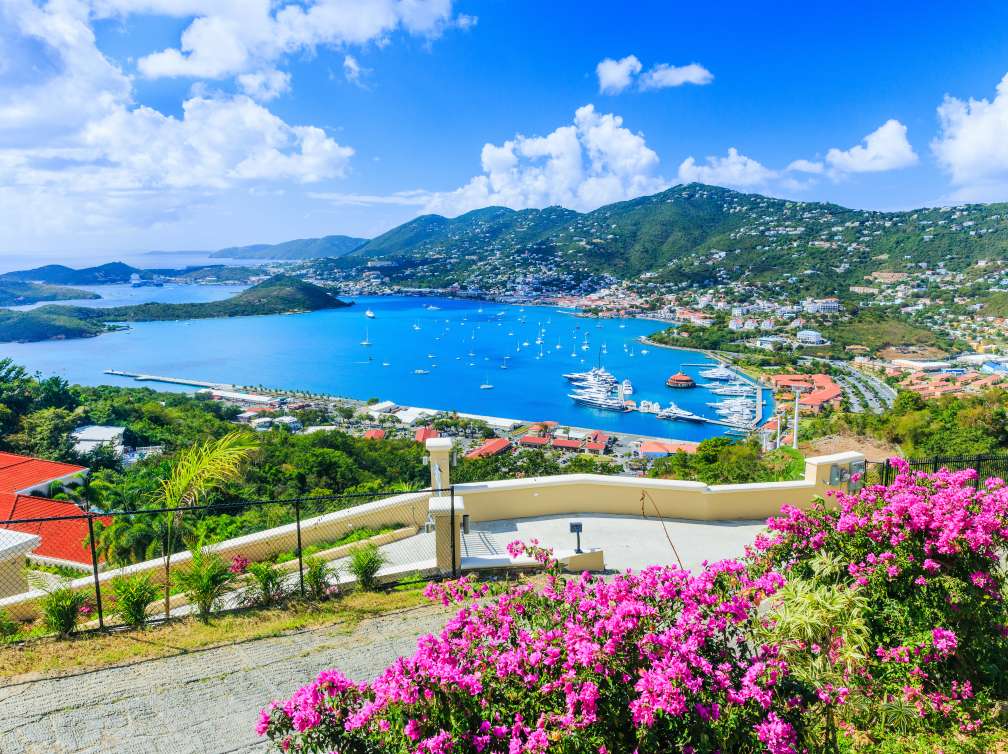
614 76
885 148
77 152
806 166
230 37
264 85
972 144
591 162
735 169
664 75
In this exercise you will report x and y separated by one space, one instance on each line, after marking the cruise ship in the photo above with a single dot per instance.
596 374
718 373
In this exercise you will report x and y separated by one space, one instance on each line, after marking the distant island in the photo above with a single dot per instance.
301 248
114 273
280 294
19 293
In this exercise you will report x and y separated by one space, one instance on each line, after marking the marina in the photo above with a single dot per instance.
422 351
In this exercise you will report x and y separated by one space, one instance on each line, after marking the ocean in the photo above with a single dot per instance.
462 344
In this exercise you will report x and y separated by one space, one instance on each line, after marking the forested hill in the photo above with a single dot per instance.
17 293
301 248
278 295
690 233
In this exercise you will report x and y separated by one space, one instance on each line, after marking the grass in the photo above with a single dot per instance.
99 650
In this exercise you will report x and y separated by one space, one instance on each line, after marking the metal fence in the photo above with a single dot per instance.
986 465
90 551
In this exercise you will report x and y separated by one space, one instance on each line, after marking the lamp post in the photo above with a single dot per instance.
575 527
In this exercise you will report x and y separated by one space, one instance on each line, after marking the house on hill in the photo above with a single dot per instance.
60 525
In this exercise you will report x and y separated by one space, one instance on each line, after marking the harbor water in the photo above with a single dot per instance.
427 352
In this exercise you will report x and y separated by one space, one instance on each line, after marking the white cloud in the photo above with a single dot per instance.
885 148
592 162
664 75
616 75
265 85
352 69
806 166
229 37
734 170
78 154
972 144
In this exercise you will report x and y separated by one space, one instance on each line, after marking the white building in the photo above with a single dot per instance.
811 338
89 438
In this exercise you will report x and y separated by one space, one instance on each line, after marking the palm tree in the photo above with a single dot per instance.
194 473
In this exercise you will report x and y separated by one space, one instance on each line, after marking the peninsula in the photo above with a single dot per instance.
280 294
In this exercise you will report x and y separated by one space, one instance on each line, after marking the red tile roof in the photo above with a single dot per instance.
24 472
374 434
426 433
62 540
534 440
563 442
659 446
490 448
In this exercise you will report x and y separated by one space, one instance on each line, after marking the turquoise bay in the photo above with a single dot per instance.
462 344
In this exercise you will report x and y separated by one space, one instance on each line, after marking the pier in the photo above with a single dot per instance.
169 380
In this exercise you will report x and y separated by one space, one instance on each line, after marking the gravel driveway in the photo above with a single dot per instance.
205 701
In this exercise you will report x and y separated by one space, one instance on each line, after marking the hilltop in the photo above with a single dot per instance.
301 248
278 295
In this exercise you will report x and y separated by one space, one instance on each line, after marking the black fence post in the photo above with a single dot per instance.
94 569
297 518
454 532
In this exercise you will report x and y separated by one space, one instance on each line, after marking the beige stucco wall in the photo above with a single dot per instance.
591 493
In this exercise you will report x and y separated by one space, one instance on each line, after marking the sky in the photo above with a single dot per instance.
200 124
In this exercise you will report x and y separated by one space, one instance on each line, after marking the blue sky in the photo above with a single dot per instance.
189 124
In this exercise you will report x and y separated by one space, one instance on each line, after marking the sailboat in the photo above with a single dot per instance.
369 314
416 326
367 340
486 383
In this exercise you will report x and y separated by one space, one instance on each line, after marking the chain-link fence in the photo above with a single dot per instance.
986 465
222 556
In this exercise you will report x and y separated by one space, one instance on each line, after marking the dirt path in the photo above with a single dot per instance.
205 702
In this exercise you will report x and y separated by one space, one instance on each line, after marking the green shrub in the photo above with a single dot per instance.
318 579
8 626
205 581
61 609
365 562
268 585
132 596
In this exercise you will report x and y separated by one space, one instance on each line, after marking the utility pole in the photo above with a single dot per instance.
794 439
780 420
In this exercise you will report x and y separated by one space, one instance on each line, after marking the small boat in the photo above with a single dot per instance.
486 384
421 371
627 387
369 314
431 307
416 326
385 364
643 352
430 356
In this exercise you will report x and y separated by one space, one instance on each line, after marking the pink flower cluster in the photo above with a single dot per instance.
239 564
633 663
455 592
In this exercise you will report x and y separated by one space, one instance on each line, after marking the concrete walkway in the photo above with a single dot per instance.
204 702
626 541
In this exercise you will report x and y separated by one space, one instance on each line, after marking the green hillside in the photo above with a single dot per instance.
17 293
58 274
694 235
301 248
278 295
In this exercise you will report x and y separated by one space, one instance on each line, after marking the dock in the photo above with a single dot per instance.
169 380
